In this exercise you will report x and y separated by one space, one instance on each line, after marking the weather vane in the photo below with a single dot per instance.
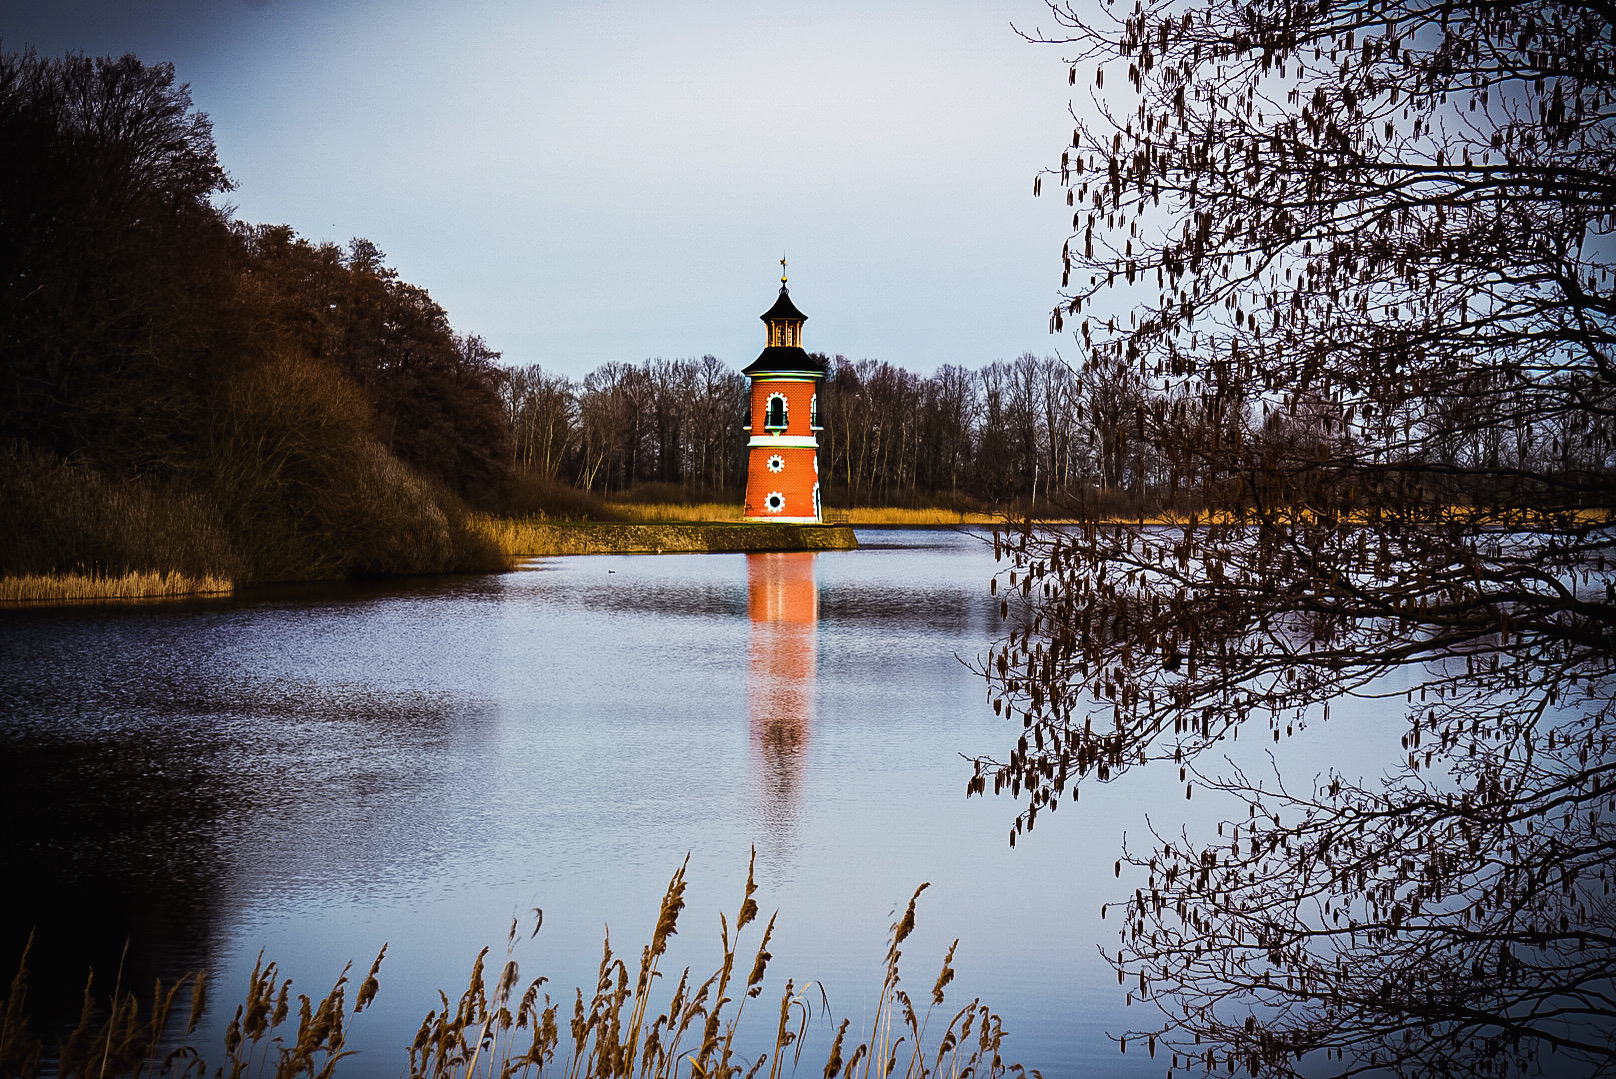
782 269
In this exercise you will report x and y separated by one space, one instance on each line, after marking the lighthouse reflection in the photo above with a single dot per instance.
782 602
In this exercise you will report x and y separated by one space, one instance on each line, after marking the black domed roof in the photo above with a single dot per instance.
783 309
785 360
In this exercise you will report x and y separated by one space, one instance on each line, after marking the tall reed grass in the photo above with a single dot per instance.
68 522
81 587
672 511
537 538
502 1028
709 512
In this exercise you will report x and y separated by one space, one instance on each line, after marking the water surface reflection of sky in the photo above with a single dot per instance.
315 772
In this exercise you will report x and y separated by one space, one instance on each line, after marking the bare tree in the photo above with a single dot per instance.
950 413
718 414
542 410
617 418
1360 256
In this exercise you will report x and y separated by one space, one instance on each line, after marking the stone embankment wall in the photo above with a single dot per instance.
523 539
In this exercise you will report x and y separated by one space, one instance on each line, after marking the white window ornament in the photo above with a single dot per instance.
775 416
774 502
778 463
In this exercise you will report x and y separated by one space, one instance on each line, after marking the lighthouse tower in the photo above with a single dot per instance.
782 468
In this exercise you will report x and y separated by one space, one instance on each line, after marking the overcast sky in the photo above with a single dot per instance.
617 179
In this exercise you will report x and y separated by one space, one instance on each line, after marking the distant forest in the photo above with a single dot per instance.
1011 434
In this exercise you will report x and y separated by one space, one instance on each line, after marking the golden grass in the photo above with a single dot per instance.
85 588
912 518
722 512
501 1028
866 515
535 537
672 511
934 517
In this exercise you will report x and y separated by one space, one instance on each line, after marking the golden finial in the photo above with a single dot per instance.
782 269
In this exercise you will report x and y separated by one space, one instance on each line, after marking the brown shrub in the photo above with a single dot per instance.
62 518
309 493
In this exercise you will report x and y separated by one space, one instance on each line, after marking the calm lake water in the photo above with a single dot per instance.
316 772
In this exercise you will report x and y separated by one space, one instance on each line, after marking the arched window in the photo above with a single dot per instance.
813 412
776 415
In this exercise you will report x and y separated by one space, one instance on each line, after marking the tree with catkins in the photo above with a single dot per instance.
1359 255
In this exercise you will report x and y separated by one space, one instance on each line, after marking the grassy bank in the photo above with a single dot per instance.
699 512
892 516
84 588
286 484
502 1028
530 538
863 516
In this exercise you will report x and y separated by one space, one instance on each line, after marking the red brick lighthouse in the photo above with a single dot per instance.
782 469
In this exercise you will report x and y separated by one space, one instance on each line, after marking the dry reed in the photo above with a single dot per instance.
864 515
81 587
733 512
915 518
530 537
618 1033
673 511
67 520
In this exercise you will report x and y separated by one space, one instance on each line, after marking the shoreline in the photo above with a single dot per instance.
24 590
538 539
518 539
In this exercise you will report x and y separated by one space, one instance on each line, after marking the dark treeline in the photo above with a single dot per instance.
168 370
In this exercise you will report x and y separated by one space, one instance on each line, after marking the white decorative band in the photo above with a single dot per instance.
785 520
796 442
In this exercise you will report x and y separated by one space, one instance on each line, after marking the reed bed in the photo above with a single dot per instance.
503 1028
913 518
530 538
864 515
65 520
673 511
81 587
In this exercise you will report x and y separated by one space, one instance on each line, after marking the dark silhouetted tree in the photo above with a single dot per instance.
115 267
434 395
1359 255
